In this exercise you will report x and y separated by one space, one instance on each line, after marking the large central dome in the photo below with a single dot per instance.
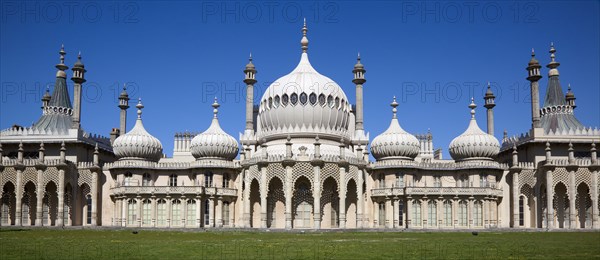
304 101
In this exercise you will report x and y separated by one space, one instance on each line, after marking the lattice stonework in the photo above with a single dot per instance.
352 174
29 175
302 169
330 170
527 190
254 174
527 177
50 175
9 175
85 189
560 175
85 176
583 175
275 170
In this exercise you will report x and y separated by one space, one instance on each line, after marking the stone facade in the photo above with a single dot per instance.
303 163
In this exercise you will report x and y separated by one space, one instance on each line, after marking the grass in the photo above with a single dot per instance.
158 244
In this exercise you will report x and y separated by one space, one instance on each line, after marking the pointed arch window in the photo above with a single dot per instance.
191 212
276 101
330 102
447 213
284 100
322 100
416 210
146 212
303 98
312 98
146 179
432 213
294 99
128 180
208 179
161 212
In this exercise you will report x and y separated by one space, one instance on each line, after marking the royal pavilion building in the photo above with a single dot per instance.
303 161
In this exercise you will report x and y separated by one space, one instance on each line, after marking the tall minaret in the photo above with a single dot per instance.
250 80
490 104
123 105
78 78
534 76
359 80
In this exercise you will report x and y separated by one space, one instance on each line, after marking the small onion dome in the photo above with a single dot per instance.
250 65
214 142
138 143
124 92
474 143
569 94
358 65
395 143
533 60
46 96
78 63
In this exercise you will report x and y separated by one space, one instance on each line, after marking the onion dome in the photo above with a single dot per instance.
304 101
214 143
138 143
395 143
79 63
474 144
250 65
533 60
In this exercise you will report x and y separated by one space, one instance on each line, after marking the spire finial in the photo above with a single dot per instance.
304 41
532 52
139 106
62 54
472 106
124 86
489 85
61 66
394 104
358 57
216 106
250 57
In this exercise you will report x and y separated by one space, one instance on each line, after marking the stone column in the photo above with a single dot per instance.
211 211
139 210
232 214
124 203
342 195
288 197
439 215
375 214
19 196
359 200
247 217
572 196
408 209
470 213
219 212
61 198
202 210
116 216
396 209
594 193
317 197
39 197
388 214
198 219
263 197
94 191
169 211
515 199
549 198
154 212
485 213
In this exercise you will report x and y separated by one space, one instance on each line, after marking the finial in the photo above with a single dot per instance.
62 146
472 106
358 58
21 146
317 139
96 148
570 146
250 58
216 106
547 146
42 146
289 138
139 106
61 66
593 146
489 85
514 148
394 104
505 134
304 41
124 86
569 87
62 54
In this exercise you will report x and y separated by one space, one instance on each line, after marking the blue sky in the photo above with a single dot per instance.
178 55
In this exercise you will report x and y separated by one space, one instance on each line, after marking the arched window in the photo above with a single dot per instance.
190 219
483 180
176 211
330 102
416 210
399 180
462 213
322 100
284 100
88 204
303 98
432 213
294 98
146 179
128 179
161 212
276 101
337 102
270 103
146 212
478 213
225 180
447 213
521 211
381 180
312 98
131 212
208 179
173 180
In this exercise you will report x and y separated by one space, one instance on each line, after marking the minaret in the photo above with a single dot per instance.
490 104
78 78
46 98
534 76
123 105
570 98
359 80
250 80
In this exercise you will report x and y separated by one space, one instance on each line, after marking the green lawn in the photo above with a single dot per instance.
122 244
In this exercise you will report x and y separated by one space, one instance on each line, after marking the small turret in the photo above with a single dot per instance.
490 103
570 98
123 105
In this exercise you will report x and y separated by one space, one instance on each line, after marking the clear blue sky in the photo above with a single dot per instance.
178 55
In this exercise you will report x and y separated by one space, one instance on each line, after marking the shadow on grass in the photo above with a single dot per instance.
13 230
